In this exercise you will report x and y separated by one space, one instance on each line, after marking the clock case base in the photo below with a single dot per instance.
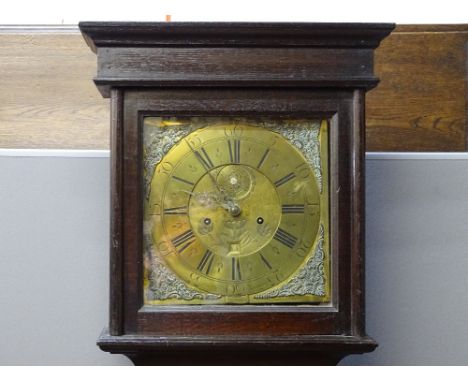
312 350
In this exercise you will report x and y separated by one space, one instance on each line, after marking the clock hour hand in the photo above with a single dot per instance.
206 199
213 200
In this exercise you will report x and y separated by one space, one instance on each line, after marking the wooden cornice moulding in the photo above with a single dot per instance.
162 54
164 34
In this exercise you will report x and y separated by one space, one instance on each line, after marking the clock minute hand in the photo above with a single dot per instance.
197 155
231 205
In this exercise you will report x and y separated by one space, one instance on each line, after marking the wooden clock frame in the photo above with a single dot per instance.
317 71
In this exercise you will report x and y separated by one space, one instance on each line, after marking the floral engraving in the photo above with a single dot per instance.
305 136
164 285
309 280
159 135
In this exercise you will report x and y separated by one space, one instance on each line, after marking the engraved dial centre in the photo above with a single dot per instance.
234 228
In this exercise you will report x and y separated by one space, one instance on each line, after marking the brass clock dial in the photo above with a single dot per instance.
236 209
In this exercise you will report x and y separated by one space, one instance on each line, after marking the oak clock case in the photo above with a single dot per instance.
237 190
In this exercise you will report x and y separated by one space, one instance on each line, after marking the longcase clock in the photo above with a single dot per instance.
237 189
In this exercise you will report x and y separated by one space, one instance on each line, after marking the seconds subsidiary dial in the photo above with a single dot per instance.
236 209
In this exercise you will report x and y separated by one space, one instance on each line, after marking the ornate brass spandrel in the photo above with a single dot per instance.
308 280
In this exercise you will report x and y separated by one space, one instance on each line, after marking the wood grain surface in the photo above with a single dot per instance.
420 103
48 99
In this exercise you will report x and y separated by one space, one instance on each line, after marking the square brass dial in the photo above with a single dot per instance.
235 211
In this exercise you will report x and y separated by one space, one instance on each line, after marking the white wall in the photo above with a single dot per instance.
417 259
54 260
54 224
73 11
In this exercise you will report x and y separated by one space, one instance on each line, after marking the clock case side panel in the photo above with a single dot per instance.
358 189
344 319
116 213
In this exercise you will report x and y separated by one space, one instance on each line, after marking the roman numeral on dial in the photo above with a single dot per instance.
206 261
292 208
182 241
204 159
265 261
265 154
234 150
235 269
285 179
285 238
176 211
183 180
